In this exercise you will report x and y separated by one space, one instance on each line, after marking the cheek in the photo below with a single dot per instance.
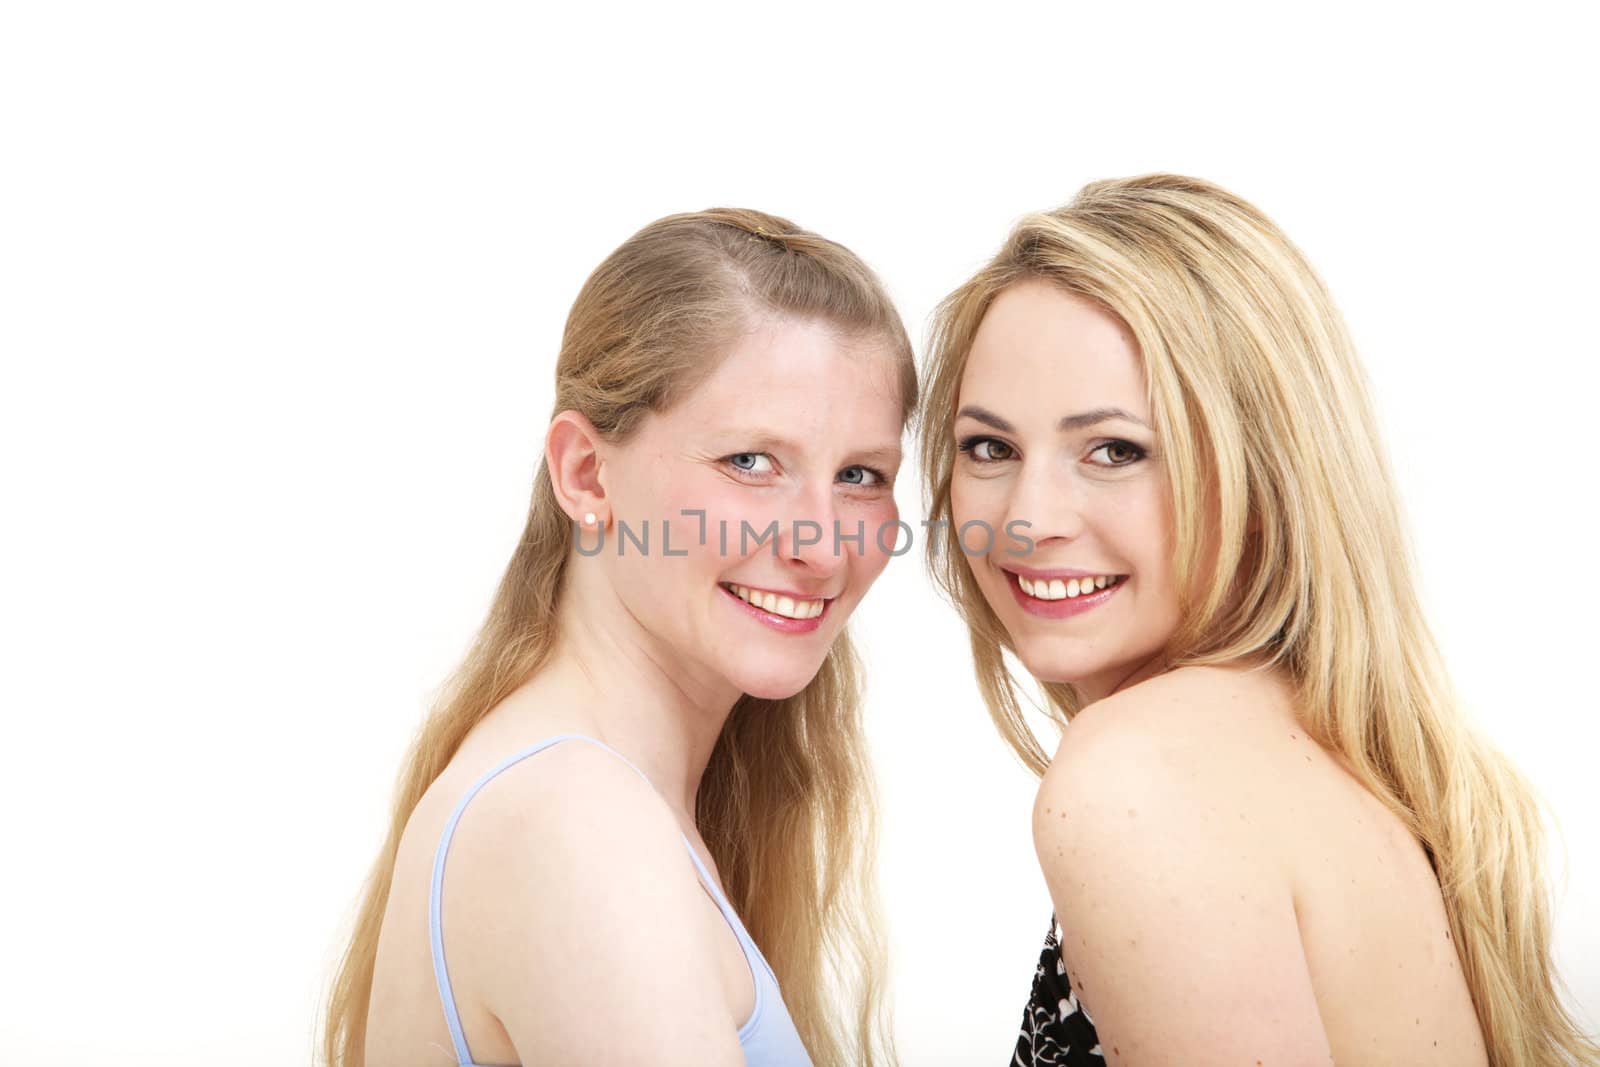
642 500
881 537
735 516
971 498
657 583
1147 532
984 501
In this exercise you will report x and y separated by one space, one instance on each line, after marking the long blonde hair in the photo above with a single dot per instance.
786 804
1264 417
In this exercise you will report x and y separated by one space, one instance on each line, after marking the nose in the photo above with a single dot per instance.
1049 500
807 543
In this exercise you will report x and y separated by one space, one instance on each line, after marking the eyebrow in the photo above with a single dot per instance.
883 457
766 441
1068 422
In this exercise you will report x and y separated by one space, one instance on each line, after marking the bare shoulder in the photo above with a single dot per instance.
566 871
558 825
1163 758
1212 724
566 785
1176 907
1192 701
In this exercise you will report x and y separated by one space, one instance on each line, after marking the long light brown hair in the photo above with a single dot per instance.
1265 420
786 805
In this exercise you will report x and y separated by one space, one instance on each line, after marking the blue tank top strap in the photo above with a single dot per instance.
781 1047
760 971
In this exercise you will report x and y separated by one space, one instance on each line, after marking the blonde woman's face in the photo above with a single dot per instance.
1056 447
796 432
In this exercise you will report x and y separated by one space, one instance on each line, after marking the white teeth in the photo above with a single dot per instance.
1057 589
788 607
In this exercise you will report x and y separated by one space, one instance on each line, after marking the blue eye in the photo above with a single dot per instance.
751 462
863 476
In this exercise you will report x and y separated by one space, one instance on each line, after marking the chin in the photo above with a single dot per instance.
776 681
1061 665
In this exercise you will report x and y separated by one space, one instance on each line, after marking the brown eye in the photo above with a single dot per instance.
986 449
1119 453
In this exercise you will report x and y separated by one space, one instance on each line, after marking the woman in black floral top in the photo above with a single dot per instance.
1148 443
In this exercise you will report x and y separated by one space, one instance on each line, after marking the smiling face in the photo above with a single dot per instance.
798 426
1054 429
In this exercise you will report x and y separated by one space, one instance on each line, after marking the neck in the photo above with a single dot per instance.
631 691
1091 690
1098 688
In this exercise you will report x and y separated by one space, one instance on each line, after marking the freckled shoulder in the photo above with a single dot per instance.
1157 836
1184 746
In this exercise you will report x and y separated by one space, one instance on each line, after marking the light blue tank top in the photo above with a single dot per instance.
768 1037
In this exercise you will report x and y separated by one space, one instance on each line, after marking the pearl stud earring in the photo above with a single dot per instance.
588 518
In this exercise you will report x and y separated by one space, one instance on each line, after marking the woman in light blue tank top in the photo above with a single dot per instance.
665 669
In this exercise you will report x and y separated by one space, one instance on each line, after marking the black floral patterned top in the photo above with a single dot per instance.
1056 1030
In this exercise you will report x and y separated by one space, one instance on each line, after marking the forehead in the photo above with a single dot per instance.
1038 341
783 373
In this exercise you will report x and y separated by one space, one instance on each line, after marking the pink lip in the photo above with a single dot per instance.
781 623
1060 609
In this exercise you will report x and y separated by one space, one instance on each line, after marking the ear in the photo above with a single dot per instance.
574 453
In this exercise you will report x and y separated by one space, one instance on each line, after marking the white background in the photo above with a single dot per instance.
281 287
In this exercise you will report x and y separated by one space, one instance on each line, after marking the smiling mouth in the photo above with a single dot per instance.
788 606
